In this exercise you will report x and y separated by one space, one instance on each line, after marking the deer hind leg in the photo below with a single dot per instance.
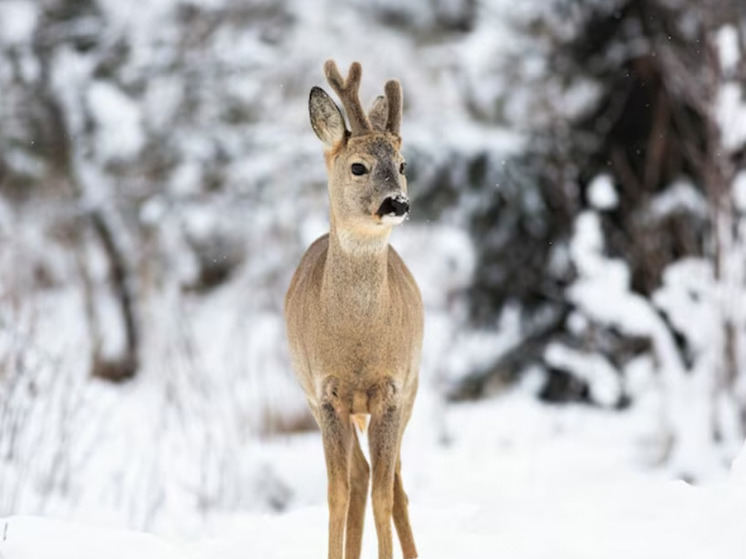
384 436
401 516
337 436
359 479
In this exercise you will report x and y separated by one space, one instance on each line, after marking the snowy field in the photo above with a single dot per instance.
508 478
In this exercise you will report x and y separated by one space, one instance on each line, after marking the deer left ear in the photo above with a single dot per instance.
326 118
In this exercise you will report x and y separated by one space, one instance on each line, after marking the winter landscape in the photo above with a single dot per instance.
577 174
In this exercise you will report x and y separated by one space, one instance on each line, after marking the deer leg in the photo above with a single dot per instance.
336 434
401 516
384 437
359 479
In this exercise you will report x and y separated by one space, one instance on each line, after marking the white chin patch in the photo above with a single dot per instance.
392 219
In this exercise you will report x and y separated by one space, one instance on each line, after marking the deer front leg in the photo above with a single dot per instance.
384 437
359 479
336 434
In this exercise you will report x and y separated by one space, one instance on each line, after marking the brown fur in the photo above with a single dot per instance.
393 94
379 113
354 322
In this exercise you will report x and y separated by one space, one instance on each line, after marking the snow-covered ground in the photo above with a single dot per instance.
509 477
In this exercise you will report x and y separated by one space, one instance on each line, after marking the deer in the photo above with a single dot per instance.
354 316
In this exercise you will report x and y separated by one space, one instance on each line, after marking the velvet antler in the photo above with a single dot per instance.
393 98
347 91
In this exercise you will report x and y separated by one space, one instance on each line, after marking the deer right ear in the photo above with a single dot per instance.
378 113
326 119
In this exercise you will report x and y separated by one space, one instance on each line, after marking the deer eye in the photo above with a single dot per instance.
358 169
403 167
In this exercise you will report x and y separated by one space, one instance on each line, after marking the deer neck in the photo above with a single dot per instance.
356 271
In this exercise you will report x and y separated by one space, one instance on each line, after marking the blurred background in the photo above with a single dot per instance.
578 180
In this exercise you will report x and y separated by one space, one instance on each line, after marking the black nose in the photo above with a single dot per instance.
396 205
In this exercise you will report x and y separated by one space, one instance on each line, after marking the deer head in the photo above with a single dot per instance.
367 186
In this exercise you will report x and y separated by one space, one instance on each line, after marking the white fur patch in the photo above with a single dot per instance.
392 219
358 244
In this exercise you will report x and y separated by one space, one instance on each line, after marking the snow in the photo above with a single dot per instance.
18 20
518 479
680 196
601 377
730 113
162 98
587 252
689 305
739 191
688 298
602 194
728 49
119 133
738 470
38 538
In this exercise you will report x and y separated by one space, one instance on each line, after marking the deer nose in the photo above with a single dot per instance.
395 206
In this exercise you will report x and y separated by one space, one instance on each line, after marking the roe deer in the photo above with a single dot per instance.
354 315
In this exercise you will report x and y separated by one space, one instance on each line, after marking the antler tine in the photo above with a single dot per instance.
393 96
347 91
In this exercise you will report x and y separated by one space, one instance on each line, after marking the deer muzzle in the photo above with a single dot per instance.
394 209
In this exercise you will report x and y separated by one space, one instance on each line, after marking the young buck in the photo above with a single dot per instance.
354 315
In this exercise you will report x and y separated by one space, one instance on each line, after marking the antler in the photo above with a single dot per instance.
347 91
393 97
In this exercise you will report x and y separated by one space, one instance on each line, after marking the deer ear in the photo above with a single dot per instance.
378 113
326 119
